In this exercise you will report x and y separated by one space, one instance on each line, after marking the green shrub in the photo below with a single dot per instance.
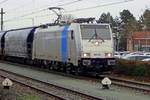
139 71
132 68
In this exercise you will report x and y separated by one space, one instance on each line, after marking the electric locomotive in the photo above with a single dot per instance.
70 47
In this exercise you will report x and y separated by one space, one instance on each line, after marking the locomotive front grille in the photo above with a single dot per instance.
98 61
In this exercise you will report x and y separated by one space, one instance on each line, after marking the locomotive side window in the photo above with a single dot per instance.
72 33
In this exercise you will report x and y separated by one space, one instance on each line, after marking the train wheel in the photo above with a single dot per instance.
44 64
50 63
77 71
68 69
50 68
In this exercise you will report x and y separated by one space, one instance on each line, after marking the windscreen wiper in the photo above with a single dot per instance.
96 36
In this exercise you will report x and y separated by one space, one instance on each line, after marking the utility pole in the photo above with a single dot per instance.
2 14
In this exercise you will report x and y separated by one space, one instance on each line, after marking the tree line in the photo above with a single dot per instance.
124 25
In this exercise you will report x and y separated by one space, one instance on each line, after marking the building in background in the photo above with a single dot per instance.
139 41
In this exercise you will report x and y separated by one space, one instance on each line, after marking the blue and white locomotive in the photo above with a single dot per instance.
74 47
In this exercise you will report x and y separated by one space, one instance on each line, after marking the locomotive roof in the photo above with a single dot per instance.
50 24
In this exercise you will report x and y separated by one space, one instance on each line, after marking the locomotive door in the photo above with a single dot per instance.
71 47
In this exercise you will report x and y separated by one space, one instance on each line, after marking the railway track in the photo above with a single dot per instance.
60 93
145 87
138 86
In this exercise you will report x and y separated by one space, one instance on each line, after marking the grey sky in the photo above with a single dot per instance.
19 12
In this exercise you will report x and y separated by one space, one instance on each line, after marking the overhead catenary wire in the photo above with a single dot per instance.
75 10
16 8
1 2
87 8
41 10
25 5
108 4
68 3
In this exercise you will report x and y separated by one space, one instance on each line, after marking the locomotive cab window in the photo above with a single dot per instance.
95 31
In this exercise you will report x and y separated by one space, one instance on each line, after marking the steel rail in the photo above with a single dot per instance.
145 87
39 88
140 86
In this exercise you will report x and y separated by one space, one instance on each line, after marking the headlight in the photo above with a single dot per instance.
96 43
108 54
86 54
